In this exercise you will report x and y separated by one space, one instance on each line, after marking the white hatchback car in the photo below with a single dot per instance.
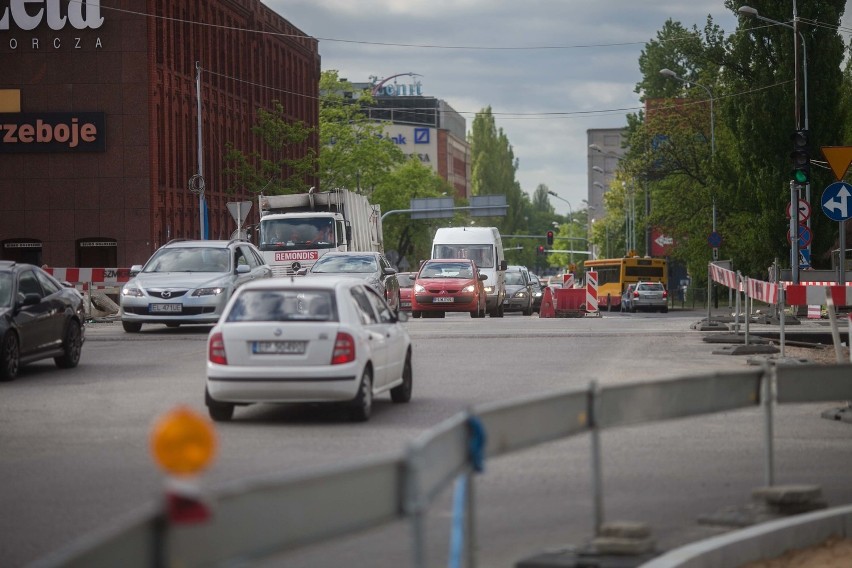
307 340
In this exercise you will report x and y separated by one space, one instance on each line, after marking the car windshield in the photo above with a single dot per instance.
5 289
347 263
405 279
482 255
282 305
514 279
298 233
189 259
447 270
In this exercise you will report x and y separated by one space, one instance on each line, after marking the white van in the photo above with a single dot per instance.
484 246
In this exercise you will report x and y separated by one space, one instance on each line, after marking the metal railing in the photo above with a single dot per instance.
278 514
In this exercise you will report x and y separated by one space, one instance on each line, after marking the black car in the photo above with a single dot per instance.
39 318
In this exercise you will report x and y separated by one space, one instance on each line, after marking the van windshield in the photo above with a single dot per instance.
482 255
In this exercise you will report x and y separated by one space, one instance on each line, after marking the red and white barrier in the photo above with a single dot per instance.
85 275
591 292
762 291
808 294
723 276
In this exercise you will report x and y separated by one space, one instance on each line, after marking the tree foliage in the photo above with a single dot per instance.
748 80
282 162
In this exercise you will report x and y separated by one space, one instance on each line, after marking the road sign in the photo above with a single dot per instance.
804 259
805 236
836 202
715 239
839 158
715 253
804 211
239 210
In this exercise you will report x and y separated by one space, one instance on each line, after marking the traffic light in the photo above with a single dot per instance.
801 173
550 238
540 250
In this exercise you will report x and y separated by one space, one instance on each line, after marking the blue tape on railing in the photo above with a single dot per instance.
457 530
477 443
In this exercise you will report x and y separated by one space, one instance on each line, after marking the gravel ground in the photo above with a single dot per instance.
833 553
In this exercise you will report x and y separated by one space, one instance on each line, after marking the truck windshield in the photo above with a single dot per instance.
301 233
482 255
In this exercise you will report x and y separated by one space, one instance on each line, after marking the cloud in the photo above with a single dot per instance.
599 73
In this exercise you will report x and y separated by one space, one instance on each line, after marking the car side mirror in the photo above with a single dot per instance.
388 271
504 265
135 269
301 271
243 269
31 300
483 277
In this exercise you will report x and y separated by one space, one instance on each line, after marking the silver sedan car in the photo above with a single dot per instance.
650 296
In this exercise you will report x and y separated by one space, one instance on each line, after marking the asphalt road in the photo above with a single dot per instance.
74 444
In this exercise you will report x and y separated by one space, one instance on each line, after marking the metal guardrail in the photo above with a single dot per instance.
256 518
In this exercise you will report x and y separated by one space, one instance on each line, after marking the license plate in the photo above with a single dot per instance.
278 347
168 308
405 304
444 300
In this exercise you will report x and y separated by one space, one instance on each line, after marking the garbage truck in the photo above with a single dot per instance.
297 229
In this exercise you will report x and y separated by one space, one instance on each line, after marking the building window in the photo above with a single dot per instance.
97 252
22 250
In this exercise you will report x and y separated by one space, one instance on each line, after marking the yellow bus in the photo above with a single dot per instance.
615 274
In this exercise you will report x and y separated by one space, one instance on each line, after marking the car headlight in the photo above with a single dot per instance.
538 294
520 294
468 289
419 288
131 291
489 289
208 291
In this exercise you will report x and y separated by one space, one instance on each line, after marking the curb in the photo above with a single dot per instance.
761 542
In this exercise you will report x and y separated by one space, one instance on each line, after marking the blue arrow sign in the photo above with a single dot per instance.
837 201
715 239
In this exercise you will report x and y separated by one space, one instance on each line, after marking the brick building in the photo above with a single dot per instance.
98 120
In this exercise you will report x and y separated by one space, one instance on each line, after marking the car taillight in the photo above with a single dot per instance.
665 293
344 349
635 294
216 350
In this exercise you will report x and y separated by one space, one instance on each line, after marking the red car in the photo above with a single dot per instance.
448 285
406 285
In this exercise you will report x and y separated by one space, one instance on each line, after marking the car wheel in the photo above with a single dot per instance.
528 310
218 411
501 311
131 327
172 325
415 314
72 346
402 393
10 357
665 310
362 405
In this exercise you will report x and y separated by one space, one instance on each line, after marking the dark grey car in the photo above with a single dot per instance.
518 290
370 266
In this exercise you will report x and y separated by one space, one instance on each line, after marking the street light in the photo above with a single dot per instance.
556 195
794 252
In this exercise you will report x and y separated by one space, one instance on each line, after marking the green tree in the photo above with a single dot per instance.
411 239
284 163
354 153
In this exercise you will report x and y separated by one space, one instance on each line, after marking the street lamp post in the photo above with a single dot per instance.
794 219
671 74
570 210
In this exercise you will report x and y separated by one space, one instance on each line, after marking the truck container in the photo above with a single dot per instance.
295 230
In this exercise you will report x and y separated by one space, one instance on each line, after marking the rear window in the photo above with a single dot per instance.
651 287
283 305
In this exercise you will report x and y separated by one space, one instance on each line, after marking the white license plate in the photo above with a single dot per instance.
444 300
405 304
278 347
169 308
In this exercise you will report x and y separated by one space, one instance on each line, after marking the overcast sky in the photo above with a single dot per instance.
598 73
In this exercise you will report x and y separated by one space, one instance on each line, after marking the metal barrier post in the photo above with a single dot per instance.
709 287
781 316
737 310
470 524
767 394
597 470
835 330
748 306
413 506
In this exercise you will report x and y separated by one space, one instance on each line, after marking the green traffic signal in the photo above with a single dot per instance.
801 172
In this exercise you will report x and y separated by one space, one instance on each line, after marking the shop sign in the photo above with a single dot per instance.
52 132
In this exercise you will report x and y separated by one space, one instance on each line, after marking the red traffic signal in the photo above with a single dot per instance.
549 238
540 250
